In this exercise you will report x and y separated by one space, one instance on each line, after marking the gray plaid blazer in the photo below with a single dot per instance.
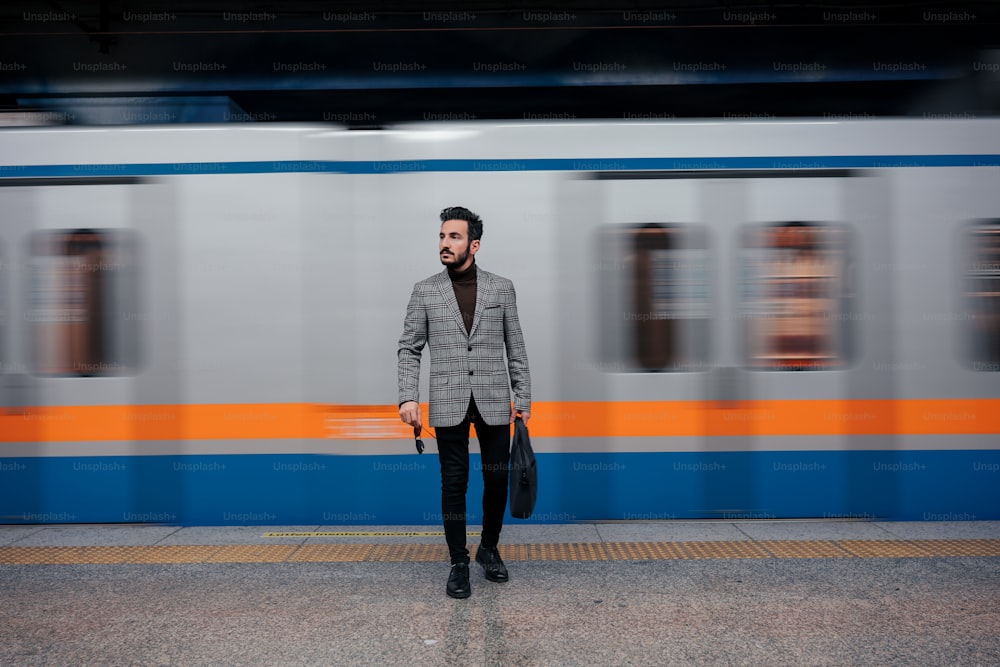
462 364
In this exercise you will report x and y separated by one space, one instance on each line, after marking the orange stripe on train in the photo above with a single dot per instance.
549 420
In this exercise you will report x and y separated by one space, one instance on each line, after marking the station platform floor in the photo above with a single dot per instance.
824 592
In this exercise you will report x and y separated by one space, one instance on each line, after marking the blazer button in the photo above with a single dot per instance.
470 348
471 372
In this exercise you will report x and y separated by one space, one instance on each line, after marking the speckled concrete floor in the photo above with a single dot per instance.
858 611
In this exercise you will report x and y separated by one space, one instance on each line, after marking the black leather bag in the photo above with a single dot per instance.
523 473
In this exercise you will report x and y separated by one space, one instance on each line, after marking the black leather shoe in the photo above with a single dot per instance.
458 581
493 567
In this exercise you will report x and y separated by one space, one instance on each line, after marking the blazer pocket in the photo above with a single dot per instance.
493 314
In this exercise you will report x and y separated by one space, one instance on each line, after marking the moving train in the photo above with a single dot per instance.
724 320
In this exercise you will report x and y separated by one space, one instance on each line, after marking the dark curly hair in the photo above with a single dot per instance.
462 213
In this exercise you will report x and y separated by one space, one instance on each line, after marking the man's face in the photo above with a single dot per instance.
454 248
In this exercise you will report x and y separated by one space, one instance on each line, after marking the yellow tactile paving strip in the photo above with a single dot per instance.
576 551
806 549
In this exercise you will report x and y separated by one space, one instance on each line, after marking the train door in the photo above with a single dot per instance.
718 302
75 317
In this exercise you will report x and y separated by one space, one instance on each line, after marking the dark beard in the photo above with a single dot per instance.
459 261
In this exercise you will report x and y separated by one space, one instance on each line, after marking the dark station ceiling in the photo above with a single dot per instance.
376 63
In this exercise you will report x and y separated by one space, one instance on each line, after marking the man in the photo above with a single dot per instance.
468 319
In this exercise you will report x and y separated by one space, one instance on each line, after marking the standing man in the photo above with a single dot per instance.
468 319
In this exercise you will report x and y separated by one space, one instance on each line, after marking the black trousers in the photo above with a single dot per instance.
453 453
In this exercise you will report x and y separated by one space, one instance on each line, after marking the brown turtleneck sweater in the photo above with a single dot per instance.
465 293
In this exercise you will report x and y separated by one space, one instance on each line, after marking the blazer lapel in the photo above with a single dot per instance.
484 294
447 292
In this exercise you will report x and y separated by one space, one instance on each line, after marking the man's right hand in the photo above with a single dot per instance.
409 412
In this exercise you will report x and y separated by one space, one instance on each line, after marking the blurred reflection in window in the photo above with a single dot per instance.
798 295
981 288
663 295
83 303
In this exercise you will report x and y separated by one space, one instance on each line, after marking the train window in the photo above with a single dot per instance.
83 303
981 291
797 296
664 289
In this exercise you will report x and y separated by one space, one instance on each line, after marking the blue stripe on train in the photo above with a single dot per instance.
490 165
292 489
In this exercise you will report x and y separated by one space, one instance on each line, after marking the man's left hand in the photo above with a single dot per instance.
514 413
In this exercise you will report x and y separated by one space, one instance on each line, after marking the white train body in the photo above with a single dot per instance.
723 320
